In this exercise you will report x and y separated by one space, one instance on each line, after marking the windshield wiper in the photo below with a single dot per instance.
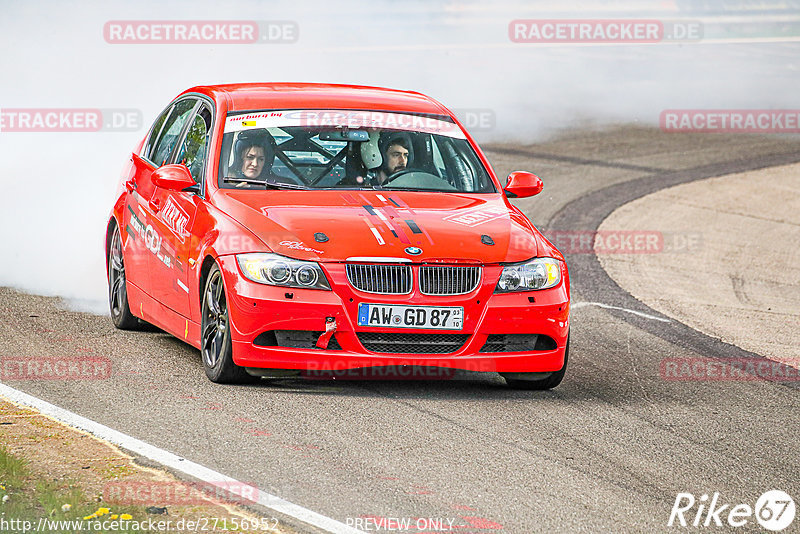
267 184
229 179
418 189
282 185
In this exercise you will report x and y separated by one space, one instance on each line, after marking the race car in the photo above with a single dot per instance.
317 230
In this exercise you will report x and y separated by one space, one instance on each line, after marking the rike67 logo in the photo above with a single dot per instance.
774 511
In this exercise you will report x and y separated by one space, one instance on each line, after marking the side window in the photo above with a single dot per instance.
155 132
463 175
171 131
193 150
438 162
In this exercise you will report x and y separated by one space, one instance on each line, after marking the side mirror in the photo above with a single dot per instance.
522 184
173 177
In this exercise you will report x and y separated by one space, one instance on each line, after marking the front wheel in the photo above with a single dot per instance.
530 382
216 346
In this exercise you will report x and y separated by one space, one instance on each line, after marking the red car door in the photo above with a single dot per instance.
137 263
134 215
142 241
174 214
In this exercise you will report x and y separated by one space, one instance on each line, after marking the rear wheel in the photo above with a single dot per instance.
216 346
117 291
531 381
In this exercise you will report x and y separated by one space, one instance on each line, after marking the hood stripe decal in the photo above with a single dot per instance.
414 227
374 231
400 233
394 213
377 220
384 217
377 235
397 201
396 230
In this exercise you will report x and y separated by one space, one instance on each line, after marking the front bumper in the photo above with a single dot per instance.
257 308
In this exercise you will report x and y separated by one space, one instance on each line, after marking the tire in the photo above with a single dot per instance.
117 290
515 381
216 347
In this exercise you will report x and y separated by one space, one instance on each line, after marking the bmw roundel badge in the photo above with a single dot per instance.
414 251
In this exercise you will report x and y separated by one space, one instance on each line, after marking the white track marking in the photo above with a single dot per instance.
175 462
609 307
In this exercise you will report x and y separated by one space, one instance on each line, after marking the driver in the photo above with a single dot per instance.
253 160
253 154
395 157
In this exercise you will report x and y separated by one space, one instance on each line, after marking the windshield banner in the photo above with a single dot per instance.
342 118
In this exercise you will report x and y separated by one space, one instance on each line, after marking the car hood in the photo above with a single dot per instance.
337 225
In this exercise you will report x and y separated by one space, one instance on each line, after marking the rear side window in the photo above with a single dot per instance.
171 131
155 132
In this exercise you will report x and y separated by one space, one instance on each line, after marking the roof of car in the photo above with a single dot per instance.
257 96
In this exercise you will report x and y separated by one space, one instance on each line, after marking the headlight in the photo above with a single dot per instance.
276 270
539 273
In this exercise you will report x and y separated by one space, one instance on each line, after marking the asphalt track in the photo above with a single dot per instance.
608 450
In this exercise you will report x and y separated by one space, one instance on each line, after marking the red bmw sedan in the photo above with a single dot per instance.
333 231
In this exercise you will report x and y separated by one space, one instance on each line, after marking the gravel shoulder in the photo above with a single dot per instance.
92 474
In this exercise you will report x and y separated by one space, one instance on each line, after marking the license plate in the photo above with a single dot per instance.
390 315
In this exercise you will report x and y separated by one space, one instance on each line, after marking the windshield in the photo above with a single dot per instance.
323 149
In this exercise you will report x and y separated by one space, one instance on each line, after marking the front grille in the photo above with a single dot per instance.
518 343
296 339
385 279
398 343
448 279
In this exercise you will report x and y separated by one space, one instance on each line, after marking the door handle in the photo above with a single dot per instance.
155 204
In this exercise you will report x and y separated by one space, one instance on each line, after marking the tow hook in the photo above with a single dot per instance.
325 338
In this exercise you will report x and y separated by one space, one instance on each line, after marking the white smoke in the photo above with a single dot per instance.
56 189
